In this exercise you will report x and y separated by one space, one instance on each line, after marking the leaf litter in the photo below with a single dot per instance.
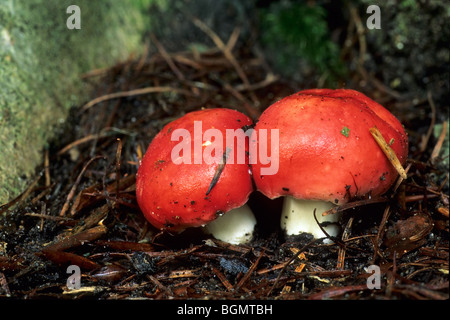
81 208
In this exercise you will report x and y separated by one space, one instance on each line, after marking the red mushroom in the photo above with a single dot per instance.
196 170
327 155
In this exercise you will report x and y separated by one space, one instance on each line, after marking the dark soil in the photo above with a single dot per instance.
81 209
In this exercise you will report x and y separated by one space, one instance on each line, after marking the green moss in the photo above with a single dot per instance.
41 61
299 38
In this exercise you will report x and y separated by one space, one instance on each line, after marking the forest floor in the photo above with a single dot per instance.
81 208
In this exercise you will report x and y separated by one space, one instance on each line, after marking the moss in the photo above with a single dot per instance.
41 61
302 31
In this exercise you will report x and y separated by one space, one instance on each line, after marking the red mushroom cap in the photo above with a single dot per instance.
175 196
326 151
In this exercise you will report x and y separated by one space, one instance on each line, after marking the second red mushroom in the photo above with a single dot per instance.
327 155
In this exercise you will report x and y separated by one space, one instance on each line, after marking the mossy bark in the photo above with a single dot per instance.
41 62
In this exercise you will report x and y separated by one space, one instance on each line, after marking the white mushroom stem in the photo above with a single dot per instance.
298 217
235 227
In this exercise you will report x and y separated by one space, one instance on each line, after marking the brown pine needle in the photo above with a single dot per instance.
342 249
390 154
4 207
75 185
167 57
249 272
226 50
46 216
135 92
223 279
47 168
118 164
81 141
438 146
426 137
443 211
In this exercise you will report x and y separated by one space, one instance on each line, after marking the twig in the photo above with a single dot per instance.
43 213
95 72
388 151
4 284
419 197
439 143
400 178
327 235
391 275
270 78
222 47
160 285
22 197
135 92
341 252
81 141
289 262
118 155
67 258
352 205
46 216
273 268
223 279
167 57
77 239
380 233
93 219
143 58
334 292
420 292
75 185
47 168
226 52
426 138
249 272
443 211
360 31
254 114
233 39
